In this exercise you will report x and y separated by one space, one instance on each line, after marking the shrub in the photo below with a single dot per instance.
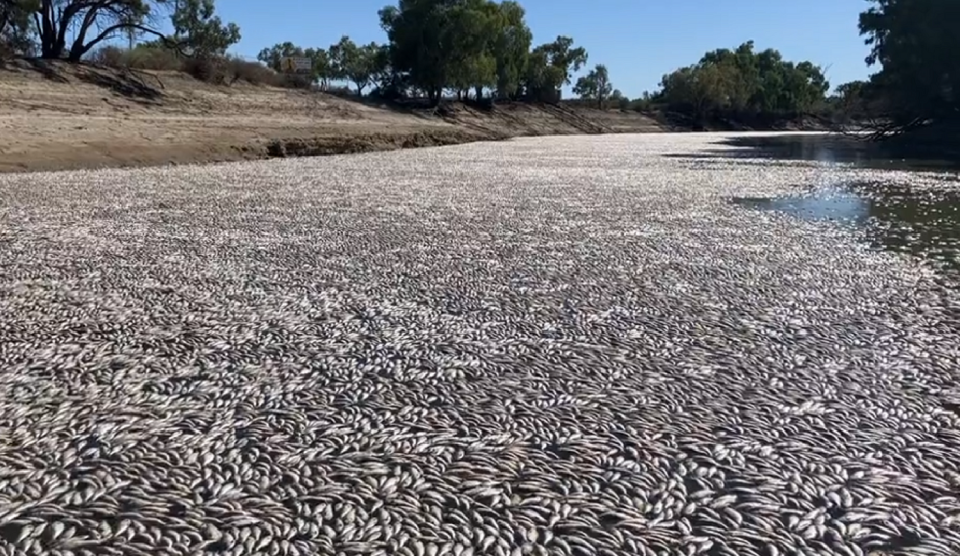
211 69
141 57
239 69
152 58
110 56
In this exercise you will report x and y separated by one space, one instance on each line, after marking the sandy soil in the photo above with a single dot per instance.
66 117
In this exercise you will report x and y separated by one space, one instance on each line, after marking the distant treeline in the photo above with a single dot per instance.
482 49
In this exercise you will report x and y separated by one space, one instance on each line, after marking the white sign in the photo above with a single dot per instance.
297 65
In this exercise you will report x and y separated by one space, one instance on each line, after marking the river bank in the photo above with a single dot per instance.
57 116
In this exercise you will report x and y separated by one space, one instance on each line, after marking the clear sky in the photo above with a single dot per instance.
638 40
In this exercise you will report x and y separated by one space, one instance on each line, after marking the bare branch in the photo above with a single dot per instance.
105 34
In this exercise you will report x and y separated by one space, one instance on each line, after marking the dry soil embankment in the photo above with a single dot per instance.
59 117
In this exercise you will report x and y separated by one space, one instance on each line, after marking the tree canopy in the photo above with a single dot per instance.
915 43
463 45
595 85
746 82
198 29
354 63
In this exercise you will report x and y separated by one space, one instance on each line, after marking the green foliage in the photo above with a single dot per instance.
383 75
419 45
595 85
744 82
458 45
321 65
511 48
551 65
850 101
472 28
357 64
542 79
200 31
562 55
915 42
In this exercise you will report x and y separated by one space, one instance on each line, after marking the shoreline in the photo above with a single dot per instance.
84 157
62 117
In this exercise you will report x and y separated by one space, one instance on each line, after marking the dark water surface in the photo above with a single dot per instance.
833 148
924 222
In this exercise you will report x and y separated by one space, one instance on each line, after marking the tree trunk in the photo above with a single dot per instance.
51 46
479 90
76 52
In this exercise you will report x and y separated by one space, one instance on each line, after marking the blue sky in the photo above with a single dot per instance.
638 40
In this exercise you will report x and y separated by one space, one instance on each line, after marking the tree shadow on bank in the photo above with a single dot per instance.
133 85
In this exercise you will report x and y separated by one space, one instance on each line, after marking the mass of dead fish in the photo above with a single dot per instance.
565 346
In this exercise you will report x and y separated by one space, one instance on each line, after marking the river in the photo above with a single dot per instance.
617 345
921 221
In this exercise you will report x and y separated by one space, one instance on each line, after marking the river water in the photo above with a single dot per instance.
921 221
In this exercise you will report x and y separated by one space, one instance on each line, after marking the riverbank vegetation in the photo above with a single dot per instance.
917 87
484 51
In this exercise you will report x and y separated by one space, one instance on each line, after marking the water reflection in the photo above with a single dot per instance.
924 222
824 204
823 147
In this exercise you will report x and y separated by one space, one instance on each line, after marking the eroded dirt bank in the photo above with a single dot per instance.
61 117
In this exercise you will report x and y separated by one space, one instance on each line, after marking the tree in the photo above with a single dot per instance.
622 102
417 43
643 103
353 63
851 101
274 55
321 67
913 41
697 90
551 65
56 19
198 29
542 79
15 32
563 56
741 70
595 85
447 44
511 48
742 83
473 26
321 71
382 73
72 28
